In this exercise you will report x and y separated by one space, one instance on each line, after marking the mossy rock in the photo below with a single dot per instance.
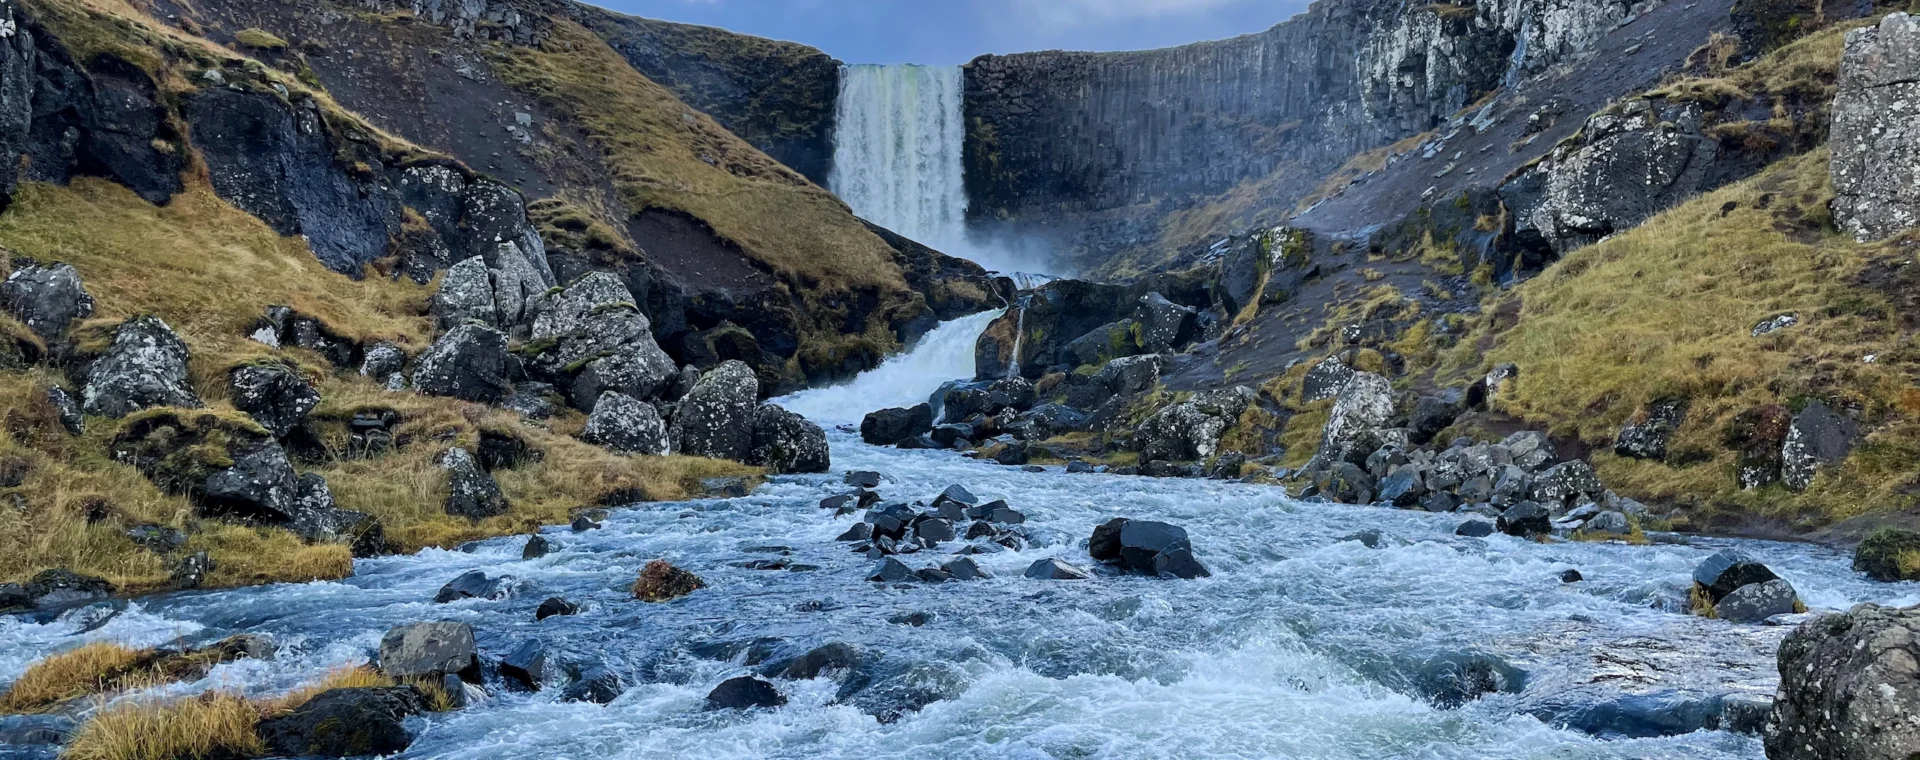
177 449
1889 555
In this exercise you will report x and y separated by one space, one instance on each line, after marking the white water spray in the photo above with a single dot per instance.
898 160
944 354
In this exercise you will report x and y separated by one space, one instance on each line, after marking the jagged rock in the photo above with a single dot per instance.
470 363
1049 420
1873 135
1191 430
429 651
1105 343
474 584
1889 555
1163 324
526 665
1724 572
354 722
1432 414
316 519
227 468
593 332
660 581
1364 407
1530 449
1565 481
1325 380
1760 436
1131 375
1404 488
47 299
1526 520
784 442
887 427
1819 437
1344 483
623 425
596 685
965 569
145 366
1055 569
1848 687
68 409
1475 529
381 361
1626 164
466 296
891 570
555 606
471 490
744 693
1146 547
1646 437
1755 602
274 395
716 418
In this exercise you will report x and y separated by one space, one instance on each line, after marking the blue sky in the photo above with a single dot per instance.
954 31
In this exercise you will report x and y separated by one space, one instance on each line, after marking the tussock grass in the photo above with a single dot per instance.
214 725
92 669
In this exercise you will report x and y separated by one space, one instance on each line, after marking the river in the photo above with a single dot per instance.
1304 643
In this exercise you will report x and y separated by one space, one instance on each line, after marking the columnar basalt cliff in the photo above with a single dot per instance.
1078 133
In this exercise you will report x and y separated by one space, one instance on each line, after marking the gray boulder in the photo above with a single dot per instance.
1146 547
715 420
466 296
1365 407
1325 380
429 651
274 395
1190 430
1131 375
1565 481
317 520
1849 688
1526 520
784 442
355 722
145 366
1819 437
1875 130
260 484
1726 571
624 425
1530 449
594 333
1755 602
471 490
470 363
1163 324
1647 436
47 299
382 361
1054 569
1626 164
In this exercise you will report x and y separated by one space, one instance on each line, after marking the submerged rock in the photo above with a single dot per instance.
744 693
1055 569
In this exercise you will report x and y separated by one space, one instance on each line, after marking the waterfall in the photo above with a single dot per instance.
906 379
1019 336
899 145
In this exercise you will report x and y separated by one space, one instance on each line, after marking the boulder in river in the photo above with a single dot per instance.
1849 688
526 665
1146 547
715 419
785 443
1720 574
429 651
596 684
744 693
354 722
660 581
474 584
1055 569
1755 602
555 607
1526 520
888 427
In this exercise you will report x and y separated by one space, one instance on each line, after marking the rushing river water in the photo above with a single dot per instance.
1303 643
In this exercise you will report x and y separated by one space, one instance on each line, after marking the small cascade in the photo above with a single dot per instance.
946 353
1019 334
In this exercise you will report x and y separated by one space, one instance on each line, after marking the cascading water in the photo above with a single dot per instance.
898 160
1019 336
946 353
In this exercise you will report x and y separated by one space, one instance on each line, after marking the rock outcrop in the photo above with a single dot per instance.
1848 688
784 442
1876 144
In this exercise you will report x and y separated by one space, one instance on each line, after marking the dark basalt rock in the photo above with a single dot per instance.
526 665
345 723
429 651
274 395
891 570
887 427
316 519
596 685
145 366
784 442
744 693
1755 602
1146 547
470 363
1720 574
1526 520
1819 437
1846 681
474 584
47 299
1647 437
716 419
537 546
821 661
471 491
1475 529
53 588
1054 569
555 606
1450 681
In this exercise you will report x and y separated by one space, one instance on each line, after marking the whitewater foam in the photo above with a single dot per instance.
946 353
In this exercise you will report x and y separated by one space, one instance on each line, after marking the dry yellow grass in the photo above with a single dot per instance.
92 669
214 725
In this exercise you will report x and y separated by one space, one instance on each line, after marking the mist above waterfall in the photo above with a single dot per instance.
899 145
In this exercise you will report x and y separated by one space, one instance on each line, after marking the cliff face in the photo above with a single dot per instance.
778 96
1080 133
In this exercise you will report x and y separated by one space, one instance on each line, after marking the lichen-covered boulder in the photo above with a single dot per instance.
47 299
1164 325
715 420
1647 435
625 425
144 367
226 467
465 295
1849 688
784 442
1365 406
1131 375
1818 437
318 520
1875 130
382 361
274 395
471 491
469 363
592 337
1190 430
429 651
1628 163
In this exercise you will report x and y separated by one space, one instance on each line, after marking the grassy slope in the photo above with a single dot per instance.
210 270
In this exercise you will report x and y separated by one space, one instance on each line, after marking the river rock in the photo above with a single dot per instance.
716 418
1055 569
891 570
47 299
1755 602
1875 109
1889 555
1475 529
274 395
1722 573
466 296
471 491
1139 545
597 685
1848 687
784 442
624 425
537 546
1565 482
965 569
1526 520
526 665
1819 437
145 366
429 651
1609 522
744 693
474 584
888 427
354 722
660 581
555 607
1190 430
470 363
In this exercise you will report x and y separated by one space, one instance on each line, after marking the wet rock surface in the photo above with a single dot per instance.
1848 686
